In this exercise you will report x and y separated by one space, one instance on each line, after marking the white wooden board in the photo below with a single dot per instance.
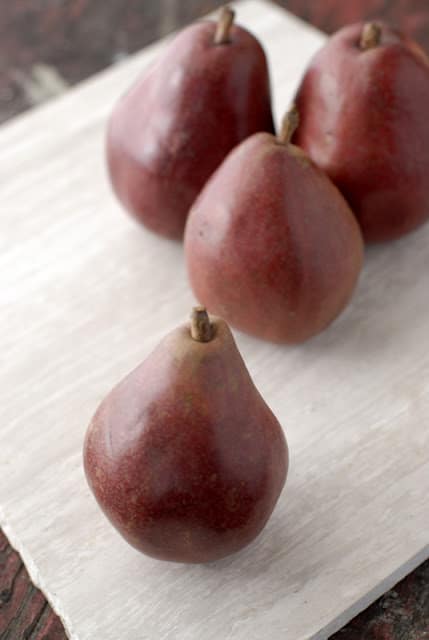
86 294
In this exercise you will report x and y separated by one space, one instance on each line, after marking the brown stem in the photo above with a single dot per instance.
371 36
289 125
225 22
201 327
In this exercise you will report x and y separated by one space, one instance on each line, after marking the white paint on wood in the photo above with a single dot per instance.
85 294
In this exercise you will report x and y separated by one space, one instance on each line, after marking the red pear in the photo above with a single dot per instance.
183 456
364 102
208 92
271 245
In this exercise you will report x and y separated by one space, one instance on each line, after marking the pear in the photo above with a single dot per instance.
209 91
183 456
271 245
364 102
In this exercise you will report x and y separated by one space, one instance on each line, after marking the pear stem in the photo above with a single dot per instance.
225 22
201 327
371 36
289 125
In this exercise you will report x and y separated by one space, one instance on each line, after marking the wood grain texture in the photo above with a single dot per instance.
401 614
72 261
24 612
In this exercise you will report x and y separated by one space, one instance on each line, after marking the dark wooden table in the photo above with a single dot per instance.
47 45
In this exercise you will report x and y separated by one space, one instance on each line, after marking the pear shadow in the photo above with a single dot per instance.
389 303
274 550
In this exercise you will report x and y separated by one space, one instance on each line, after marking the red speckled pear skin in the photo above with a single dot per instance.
183 456
271 245
176 125
364 120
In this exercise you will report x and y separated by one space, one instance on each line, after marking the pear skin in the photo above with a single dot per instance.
271 245
364 102
183 456
209 91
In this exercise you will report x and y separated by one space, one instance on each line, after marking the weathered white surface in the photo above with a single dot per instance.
85 295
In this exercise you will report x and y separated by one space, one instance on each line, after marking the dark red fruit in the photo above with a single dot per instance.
364 103
184 456
271 245
208 92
